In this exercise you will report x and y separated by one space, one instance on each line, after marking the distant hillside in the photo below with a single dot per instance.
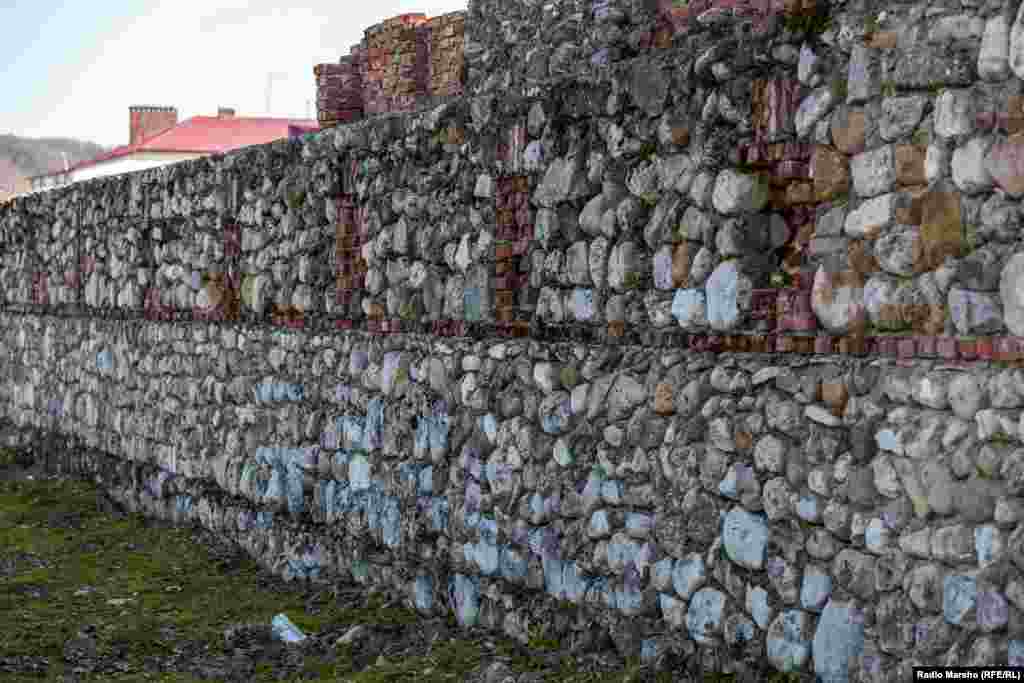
21 158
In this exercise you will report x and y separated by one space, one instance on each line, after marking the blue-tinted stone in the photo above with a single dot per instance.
807 508
554 582
787 647
489 426
582 305
816 589
513 565
183 506
426 481
727 487
351 431
611 492
745 537
650 649
408 472
639 524
744 631
359 473
622 553
838 639
438 514
704 616
628 598
488 528
723 293
1015 653
264 519
472 302
423 592
555 417
959 596
592 490
575 582
105 361
373 434
284 630
661 573
984 544
391 529
599 524
689 307
689 575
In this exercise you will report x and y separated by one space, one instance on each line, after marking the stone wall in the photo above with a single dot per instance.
714 344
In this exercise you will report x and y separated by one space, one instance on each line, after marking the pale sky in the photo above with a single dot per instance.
72 69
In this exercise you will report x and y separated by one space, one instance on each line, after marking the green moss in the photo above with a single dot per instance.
568 376
839 88
650 199
889 89
631 280
295 199
871 25
921 138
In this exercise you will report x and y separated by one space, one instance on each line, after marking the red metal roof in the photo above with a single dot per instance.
211 135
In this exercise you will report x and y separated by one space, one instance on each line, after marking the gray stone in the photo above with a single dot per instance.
966 395
788 641
1011 290
994 53
956 28
874 171
862 76
970 172
694 225
812 109
872 217
838 306
954 113
702 266
922 67
736 193
974 312
897 250
1016 55
900 116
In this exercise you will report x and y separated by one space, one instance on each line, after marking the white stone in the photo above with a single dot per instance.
994 54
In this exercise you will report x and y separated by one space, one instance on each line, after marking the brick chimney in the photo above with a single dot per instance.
148 121
225 113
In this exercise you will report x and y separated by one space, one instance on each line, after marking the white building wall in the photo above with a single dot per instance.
131 163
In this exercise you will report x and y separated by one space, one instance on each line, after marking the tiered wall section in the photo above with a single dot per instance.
714 343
